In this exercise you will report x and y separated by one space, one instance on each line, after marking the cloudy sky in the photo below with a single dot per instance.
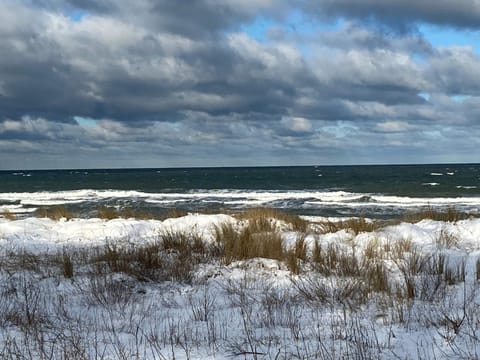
160 83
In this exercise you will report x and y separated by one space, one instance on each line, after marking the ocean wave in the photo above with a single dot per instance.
233 198
15 209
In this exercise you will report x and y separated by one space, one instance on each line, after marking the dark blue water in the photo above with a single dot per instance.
315 190
403 180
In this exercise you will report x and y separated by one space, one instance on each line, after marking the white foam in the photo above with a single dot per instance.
153 201
238 197
436 174
49 202
430 184
15 209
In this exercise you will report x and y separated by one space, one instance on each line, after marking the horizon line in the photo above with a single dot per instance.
238 167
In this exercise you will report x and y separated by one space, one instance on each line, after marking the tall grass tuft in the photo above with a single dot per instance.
249 243
451 214
67 265
107 213
8 215
446 239
55 213
263 216
355 225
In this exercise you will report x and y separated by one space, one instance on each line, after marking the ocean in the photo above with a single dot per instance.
379 191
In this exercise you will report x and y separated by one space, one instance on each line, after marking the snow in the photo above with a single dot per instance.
245 309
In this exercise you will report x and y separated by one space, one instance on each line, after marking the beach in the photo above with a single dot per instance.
82 277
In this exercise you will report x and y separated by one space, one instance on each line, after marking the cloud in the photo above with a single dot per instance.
104 67
456 70
295 126
402 13
353 36
393 126
193 19
163 80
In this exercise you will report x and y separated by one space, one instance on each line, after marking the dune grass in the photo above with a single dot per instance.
450 214
266 215
8 215
55 213
340 290
354 225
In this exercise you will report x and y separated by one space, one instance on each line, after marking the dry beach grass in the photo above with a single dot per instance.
262 285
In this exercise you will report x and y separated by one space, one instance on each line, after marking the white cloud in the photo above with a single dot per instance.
297 124
393 126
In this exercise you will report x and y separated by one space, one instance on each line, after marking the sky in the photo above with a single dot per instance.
163 83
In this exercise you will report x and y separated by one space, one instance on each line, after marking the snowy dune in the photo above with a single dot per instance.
254 308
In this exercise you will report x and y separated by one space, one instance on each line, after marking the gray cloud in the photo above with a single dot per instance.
192 18
456 71
156 78
353 36
402 13
104 67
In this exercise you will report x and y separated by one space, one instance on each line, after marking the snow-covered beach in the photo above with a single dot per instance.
405 290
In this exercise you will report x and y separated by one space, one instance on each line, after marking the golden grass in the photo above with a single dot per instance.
172 255
107 213
175 213
110 213
451 214
248 243
8 215
355 225
129 213
55 213
266 215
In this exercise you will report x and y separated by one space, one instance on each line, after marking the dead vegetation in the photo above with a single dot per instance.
8 215
267 215
55 213
354 225
110 213
333 282
172 256
450 214
255 240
